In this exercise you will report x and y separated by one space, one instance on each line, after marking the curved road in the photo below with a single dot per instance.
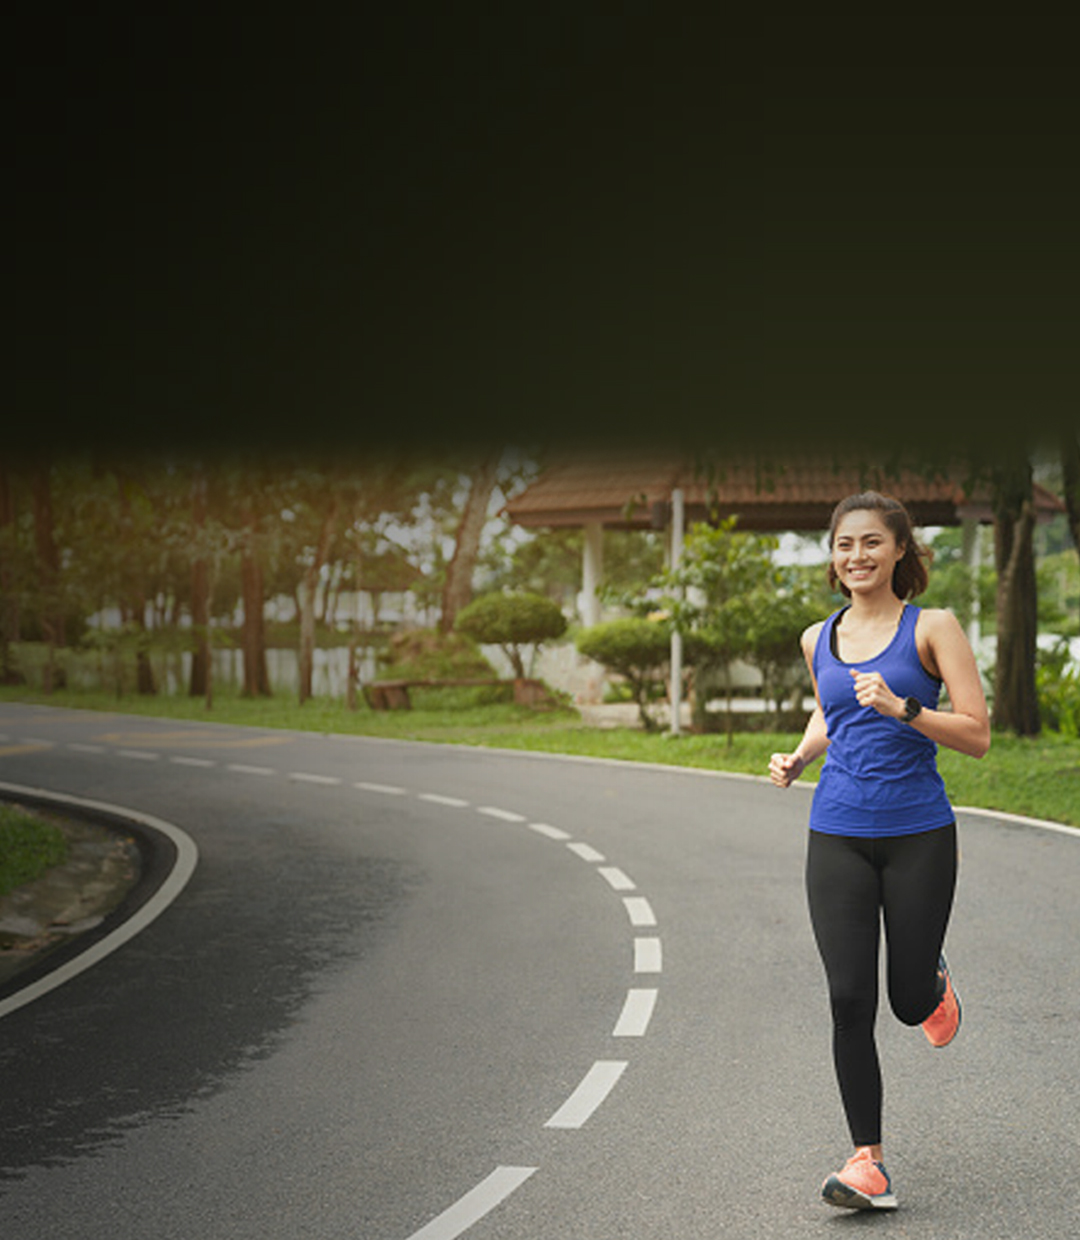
413 992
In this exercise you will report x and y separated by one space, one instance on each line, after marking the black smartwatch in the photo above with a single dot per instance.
912 707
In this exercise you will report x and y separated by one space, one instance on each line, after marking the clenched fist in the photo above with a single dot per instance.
871 690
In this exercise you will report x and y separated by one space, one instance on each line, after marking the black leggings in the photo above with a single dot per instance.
850 883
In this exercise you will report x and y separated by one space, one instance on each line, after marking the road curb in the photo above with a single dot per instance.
169 857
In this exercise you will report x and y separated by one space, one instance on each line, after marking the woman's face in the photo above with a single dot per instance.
865 552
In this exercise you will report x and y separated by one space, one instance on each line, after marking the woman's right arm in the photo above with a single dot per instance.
785 768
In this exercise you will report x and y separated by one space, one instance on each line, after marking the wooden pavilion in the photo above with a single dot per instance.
643 490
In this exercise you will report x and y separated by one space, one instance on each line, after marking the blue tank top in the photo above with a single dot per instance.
880 776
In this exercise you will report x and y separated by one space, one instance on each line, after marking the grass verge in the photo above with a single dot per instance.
1036 777
28 847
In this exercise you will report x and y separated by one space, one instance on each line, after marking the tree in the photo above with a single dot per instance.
199 683
457 590
50 606
1016 700
256 674
512 621
308 585
9 575
1070 471
777 618
725 580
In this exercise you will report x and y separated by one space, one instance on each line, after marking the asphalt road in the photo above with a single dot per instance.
413 992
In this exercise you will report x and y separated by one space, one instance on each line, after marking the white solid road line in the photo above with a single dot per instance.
639 910
586 852
187 857
636 1014
617 878
505 815
436 798
648 957
390 790
475 1204
598 1082
552 833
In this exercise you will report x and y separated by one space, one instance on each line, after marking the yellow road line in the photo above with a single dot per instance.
11 749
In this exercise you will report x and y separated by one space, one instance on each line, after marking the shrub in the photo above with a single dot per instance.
1058 686
512 621
634 648
427 654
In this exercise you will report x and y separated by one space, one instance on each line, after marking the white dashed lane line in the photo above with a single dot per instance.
598 1082
552 833
637 1012
648 957
504 815
633 1020
475 1204
586 852
616 878
436 798
639 910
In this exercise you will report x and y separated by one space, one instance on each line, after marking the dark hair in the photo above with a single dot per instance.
910 576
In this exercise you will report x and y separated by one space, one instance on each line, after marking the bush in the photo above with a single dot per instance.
1058 686
427 654
634 648
512 621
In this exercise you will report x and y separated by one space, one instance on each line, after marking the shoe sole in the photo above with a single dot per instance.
837 1193
939 1046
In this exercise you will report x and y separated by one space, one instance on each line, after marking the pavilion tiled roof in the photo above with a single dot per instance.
631 491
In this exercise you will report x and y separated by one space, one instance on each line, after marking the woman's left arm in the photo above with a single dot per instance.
946 651
966 727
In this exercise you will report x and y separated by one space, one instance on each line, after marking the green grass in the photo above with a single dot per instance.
28 847
1040 778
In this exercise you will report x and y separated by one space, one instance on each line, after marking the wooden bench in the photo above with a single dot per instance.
394 694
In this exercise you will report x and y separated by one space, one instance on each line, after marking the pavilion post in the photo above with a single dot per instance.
972 557
677 531
592 570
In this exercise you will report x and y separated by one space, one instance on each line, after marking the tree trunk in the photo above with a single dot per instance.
144 669
48 562
306 595
459 572
135 608
1070 472
9 601
256 676
200 593
1016 702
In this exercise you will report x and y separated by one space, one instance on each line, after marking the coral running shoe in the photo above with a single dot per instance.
863 1184
941 1025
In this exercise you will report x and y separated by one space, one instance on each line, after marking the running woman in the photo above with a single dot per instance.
882 841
